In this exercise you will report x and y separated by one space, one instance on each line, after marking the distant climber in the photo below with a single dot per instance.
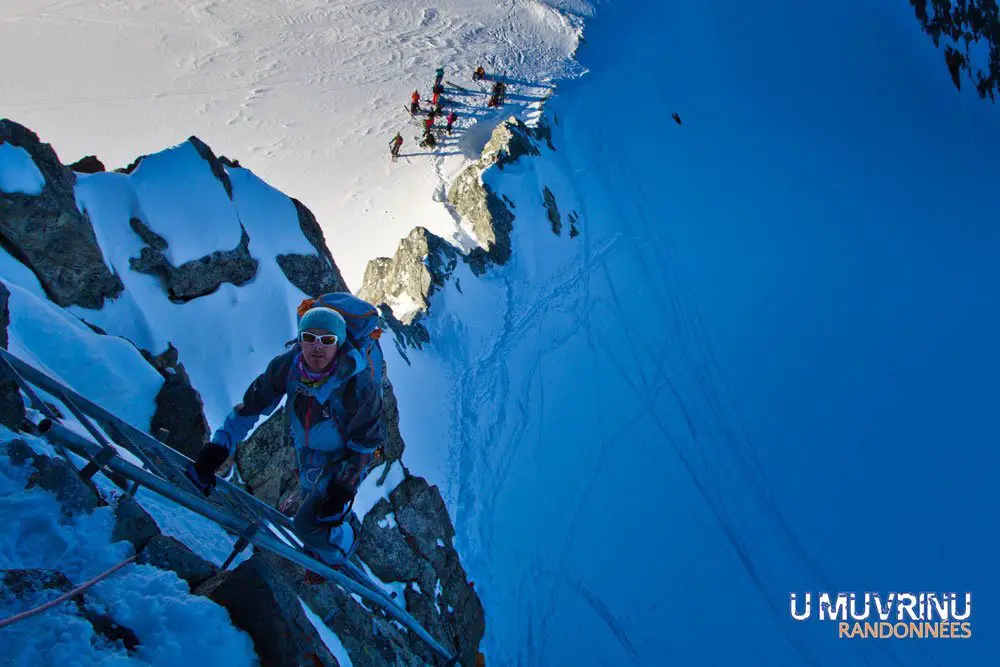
428 140
394 145
334 417
438 75
452 117
479 74
677 119
497 96
414 103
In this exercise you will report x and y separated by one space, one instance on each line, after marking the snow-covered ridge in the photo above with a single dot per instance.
162 353
306 92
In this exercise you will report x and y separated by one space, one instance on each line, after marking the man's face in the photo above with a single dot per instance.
318 356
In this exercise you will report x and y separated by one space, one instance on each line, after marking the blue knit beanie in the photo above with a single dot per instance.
325 319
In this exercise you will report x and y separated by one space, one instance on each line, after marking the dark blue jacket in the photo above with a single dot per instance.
343 412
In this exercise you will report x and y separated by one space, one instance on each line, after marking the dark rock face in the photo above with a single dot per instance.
133 524
266 461
48 233
552 210
48 584
218 170
88 165
421 265
310 273
510 141
59 477
200 276
966 24
418 549
491 220
168 553
313 274
12 413
179 408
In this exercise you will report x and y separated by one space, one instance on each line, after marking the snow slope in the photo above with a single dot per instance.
766 365
172 625
306 93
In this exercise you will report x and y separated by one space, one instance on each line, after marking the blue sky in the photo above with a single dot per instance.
830 207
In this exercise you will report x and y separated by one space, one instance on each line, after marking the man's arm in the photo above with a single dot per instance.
260 398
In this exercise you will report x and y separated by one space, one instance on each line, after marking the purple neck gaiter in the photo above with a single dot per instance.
312 377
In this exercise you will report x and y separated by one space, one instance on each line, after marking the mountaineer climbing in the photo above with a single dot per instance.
437 90
414 102
479 74
428 140
452 117
497 97
438 75
394 145
334 418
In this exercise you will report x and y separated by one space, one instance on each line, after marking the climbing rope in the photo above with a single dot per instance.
11 620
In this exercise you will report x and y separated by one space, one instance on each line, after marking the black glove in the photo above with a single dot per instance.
344 481
202 471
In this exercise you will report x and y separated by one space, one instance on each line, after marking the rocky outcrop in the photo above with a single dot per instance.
58 477
218 169
179 408
39 586
510 141
49 235
87 165
313 274
12 413
490 218
133 524
971 24
169 553
262 596
421 265
199 276
266 463
409 538
552 210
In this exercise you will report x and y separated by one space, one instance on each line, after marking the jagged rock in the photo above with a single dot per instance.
421 265
22 583
56 475
313 274
88 164
422 517
169 553
18 451
179 408
314 234
543 132
262 596
394 445
973 25
49 235
511 140
385 549
310 273
12 413
552 210
266 461
199 276
148 236
133 524
491 220
218 170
